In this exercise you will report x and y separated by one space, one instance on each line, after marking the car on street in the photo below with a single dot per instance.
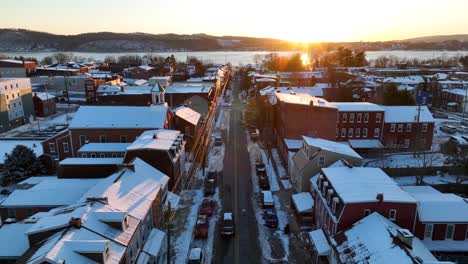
196 256
270 218
462 129
260 168
449 129
263 182
202 226
208 207
210 187
218 141
440 115
464 122
212 175
266 199
227 225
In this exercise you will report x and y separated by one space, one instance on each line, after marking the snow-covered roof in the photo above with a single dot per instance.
91 161
320 241
363 184
415 79
446 245
437 207
16 61
6 146
73 242
306 75
316 90
187 114
331 146
407 114
265 80
303 202
293 143
119 117
13 240
44 96
357 107
154 242
195 254
374 239
131 191
456 91
365 143
303 99
104 147
162 139
188 88
49 192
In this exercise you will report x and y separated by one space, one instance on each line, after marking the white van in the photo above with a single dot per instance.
196 256
266 198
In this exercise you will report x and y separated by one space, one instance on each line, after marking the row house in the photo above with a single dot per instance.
441 222
116 221
44 104
103 150
345 195
68 69
455 99
10 68
106 124
130 95
16 103
140 72
408 127
359 121
187 121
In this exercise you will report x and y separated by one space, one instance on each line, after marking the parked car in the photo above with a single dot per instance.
202 226
196 256
260 168
210 187
270 217
464 122
448 129
263 182
266 199
462 129
227 225
207 207
440 115
212 175
218 141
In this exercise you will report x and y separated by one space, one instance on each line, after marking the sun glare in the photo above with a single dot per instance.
305 59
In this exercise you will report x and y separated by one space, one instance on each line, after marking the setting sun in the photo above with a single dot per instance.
305 59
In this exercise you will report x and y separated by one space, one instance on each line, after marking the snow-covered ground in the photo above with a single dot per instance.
270 239
431 180
282 172
408 160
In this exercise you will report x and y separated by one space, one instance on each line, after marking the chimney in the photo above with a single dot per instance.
311 103
380 197
406 237
155 136
76 222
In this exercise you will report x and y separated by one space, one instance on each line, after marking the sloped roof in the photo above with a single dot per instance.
13 240
407 114
187 114
331 146
161 139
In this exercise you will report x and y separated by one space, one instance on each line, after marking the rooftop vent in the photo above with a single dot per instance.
405 236
380 197
76 222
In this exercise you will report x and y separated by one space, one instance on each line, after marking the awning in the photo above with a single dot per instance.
303 202
365 143
174 199
320 242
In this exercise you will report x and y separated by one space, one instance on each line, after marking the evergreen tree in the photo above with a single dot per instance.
22 163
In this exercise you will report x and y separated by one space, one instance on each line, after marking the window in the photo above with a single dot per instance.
17 87
82 140
358 132
366 117
93 155
114 155
343 132
407 142
364 132
123 139
66 149
345 117
392 215
366 212
321 161
392 127
408 127
400 127
377 132
84 155
424 127
52 147
378 118
7 97
350 133
428 231
359 117
449 232
29 212
102 139
102 155
11 213
351 118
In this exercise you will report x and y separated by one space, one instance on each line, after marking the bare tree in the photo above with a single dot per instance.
424 160
62 58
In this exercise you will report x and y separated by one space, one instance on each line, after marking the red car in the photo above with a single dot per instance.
207 207
202 226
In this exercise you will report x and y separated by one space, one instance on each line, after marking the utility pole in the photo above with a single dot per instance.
168 227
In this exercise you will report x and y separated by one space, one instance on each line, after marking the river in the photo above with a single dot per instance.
242 57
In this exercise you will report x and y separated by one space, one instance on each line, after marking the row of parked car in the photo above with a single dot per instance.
266 197
261 172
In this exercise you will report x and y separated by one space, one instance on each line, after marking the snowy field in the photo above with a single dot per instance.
408 160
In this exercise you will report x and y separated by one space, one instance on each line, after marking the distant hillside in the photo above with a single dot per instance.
26 40
441 38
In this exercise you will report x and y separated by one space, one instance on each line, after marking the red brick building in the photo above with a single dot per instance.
344 195
140 72
44 104
16 68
